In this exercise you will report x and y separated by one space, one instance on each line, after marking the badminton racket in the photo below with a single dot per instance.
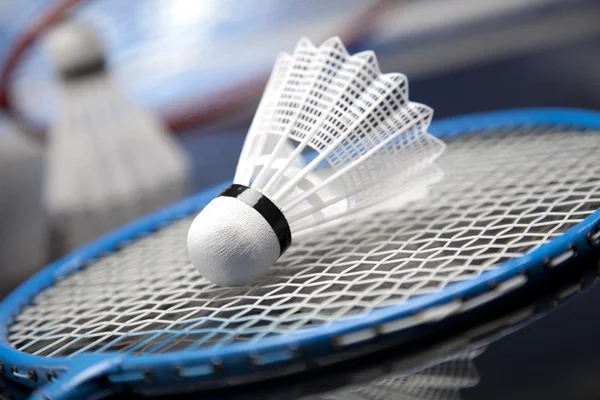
517 207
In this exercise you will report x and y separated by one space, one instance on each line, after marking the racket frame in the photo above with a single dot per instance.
243 363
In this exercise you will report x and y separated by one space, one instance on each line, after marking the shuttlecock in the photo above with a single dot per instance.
23 231
333 138
108 160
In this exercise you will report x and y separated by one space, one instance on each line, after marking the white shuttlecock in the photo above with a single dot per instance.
333 138
23 230
108 160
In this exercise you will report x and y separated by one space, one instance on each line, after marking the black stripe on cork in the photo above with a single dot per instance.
270 212
81 71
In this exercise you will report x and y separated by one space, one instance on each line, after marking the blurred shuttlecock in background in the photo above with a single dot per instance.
108 161
23 230
333 138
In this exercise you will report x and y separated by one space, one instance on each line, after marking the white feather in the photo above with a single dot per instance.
356 122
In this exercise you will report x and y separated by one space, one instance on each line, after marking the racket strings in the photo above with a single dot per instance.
439 379
502 197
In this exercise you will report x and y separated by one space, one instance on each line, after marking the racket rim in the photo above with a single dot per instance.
323 341
473 338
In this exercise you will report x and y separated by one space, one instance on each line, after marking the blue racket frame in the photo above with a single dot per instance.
245 362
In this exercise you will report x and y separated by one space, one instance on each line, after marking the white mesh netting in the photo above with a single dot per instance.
505 193
358 122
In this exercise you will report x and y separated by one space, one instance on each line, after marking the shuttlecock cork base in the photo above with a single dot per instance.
238 236
75 51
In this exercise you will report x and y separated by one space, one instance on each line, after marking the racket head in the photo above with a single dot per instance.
463 339
244 362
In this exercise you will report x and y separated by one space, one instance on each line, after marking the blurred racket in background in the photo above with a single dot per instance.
181 57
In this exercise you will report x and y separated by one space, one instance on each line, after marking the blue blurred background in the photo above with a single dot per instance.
200 66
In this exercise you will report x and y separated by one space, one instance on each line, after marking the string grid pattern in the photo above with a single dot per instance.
437 380
505 193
